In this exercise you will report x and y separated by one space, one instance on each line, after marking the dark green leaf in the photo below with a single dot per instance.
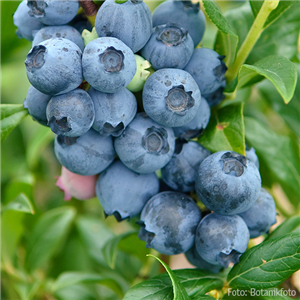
10 122
73 278
275 14
290 225
20 203
278 69
179 291
227 38
48 233
225 130
267 264
280 38
196 283
279 153
110 249
289 112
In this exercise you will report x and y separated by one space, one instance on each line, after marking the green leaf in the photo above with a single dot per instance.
72 278
225 130
20 203
267 264
94 233
9 109
227 38
280 38
290 225
278 69
47 234
178 290
275 14
9 122
110 249
279 153
240 19
196 283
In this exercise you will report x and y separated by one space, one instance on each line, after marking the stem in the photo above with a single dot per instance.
251 38
90 9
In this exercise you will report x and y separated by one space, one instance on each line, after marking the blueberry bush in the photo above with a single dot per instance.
172 128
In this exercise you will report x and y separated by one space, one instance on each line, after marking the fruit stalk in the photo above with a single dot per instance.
252 37
90 9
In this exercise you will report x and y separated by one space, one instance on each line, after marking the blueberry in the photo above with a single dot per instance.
221 239
250 153
171 97
168 223
80 22
65 31
195 259
181 171
86 155
130 22
36 103
53 12
170 46
123 193
25 23
228 183
145 146
113 112
208 69
71 114
108 64
54 66
185 13
196 126
261 215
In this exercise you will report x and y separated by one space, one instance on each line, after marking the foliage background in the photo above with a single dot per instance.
38 248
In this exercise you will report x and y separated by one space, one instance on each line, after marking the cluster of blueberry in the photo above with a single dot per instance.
82 92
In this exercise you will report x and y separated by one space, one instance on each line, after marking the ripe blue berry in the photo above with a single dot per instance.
170 46
185 13
168 223
181 171
113 112
52 12
123 193
145 146
130 22
171 97
65 32
88 154
228 183
71 114
54 66
221 239
108 64
250 153
261 215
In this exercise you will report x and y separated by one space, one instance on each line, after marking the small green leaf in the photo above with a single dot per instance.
178 290
225 130
72 278
290 225
267 264
227 39
278 69
110 249
20 203
9 122
275 14
47 234
279 153
197 284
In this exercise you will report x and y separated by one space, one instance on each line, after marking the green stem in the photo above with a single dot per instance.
251 38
